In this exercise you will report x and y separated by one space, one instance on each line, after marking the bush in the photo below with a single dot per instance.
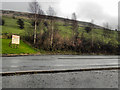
20 23
2 22
88 29
13 17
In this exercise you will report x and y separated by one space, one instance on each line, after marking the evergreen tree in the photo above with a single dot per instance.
2 22
20 23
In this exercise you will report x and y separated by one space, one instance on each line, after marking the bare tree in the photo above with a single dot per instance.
118 28
35 8
74 28
51 12
92 26
106 25
106 29
74 17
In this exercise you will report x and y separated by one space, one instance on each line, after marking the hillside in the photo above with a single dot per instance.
26 15
96 41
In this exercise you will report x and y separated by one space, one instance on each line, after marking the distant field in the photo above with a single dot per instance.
11 26
23 48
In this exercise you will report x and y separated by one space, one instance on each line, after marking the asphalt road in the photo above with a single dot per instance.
84 79
89 79
56 62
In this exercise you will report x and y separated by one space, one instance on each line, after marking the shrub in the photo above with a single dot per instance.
2 22
20 22
88 29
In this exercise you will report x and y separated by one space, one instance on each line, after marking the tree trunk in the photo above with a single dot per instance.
52 34
35 33
92 38
92 41
35 28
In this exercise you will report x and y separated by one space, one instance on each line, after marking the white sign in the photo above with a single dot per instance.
15 39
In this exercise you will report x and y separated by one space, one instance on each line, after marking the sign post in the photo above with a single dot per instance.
15 40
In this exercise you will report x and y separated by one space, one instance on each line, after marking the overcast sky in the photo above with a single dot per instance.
101 11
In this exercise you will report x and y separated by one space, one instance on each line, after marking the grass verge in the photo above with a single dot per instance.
22 49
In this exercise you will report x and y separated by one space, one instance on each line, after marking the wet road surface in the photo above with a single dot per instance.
89 79
56 62
84 79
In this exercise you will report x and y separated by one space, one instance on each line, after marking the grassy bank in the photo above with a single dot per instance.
23 48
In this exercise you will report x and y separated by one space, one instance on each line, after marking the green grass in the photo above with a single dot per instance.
11 26
65 31
11 30
22 49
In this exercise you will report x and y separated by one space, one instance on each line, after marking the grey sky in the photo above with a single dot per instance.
101 11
